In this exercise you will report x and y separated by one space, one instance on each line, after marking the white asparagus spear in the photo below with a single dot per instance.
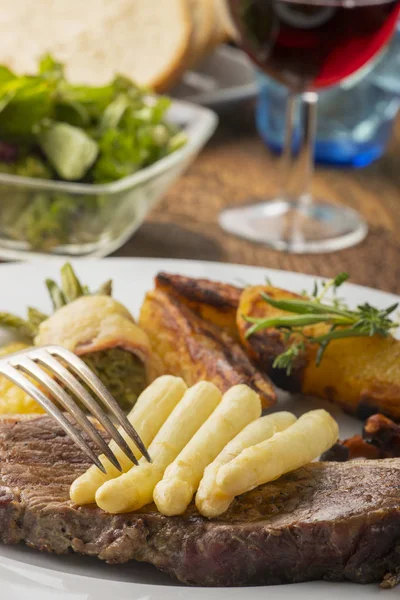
240 405
153 407
134 489
210 500
313 433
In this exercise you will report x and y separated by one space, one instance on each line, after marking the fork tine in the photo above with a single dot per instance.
83 395
23 382
101 391
32 369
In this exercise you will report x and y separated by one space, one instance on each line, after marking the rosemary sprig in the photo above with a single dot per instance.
287 359
341 322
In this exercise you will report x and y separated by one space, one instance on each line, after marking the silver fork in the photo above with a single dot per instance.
29 362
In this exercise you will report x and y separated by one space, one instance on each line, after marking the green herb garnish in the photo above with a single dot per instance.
342 322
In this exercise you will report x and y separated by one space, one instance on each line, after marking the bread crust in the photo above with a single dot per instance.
202 13
166 80
223 29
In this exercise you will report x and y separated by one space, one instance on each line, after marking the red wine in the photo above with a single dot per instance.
309 44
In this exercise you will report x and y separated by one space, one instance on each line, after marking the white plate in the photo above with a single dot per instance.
222 79
29 574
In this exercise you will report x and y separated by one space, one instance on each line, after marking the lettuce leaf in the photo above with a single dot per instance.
69 150
82 133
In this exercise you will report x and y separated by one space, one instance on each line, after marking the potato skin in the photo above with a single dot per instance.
362 375
196 350
213 301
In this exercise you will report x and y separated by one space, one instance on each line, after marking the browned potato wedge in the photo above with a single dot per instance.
362 375
213 301
196 350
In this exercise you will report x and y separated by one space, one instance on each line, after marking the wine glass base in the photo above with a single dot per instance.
296 227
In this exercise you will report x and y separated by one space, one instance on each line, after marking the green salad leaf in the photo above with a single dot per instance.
53 129
114 112
24 103
50 68
5 74
83 133
70 150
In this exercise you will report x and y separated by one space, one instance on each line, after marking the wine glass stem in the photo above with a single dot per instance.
298 155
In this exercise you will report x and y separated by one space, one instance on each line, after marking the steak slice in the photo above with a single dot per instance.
332 521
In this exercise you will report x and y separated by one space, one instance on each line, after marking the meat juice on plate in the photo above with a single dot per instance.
314 43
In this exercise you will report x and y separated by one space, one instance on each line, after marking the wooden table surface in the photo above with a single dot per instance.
234 167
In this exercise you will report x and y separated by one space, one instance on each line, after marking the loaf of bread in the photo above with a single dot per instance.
150 41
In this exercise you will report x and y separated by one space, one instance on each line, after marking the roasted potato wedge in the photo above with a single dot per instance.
212 301
362 375
196 350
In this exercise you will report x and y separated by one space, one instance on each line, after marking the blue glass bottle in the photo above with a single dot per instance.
355 119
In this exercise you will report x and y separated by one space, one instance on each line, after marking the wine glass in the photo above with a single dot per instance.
306 45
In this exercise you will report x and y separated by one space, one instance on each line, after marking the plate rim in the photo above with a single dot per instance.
139 590
54 260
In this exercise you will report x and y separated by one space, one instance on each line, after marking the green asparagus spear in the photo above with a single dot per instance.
56 295
70 284
18 325
36 317
105 289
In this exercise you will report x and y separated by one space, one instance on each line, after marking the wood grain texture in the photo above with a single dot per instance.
235 167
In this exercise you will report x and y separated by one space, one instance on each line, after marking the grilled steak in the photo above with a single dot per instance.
332 521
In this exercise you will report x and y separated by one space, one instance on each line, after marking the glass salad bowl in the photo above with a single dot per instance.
39 216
